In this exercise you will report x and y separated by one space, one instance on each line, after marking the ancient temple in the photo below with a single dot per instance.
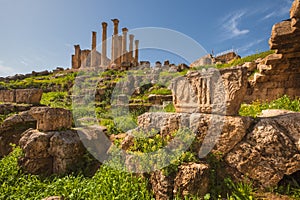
121 56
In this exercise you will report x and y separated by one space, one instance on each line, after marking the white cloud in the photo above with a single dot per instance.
231 25
281 10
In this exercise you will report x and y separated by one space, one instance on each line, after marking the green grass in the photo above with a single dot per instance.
62 82
161 91
170 108
257 107
241 61
56 100
107 183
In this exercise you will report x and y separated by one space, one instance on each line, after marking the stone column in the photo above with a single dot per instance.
73 61
114 46
104 44
131 39
124 45
136 56
116 26
119 60
93 61
77 57
94 40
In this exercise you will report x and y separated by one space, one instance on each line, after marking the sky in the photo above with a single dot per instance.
37 35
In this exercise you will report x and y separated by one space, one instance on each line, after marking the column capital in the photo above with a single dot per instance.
104 24
115 21
124 29
131 36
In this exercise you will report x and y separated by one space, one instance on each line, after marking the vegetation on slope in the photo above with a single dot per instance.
60 82
256 108
241 61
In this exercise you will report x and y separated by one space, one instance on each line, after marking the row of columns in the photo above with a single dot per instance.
119 53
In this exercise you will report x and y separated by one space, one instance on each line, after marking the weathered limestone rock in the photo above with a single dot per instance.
11 130
66 149
280 72
270 151
226 57
173 69
181 67
51 152
231 129
210 91
203 61
162 185
12 107
52 119
251 66
193 179
29 96
37 159
35 144
274 112
295 10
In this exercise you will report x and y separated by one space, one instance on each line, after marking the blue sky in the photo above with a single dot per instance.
40 34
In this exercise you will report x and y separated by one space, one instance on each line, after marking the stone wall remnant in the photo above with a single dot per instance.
210 90
27 96
279 73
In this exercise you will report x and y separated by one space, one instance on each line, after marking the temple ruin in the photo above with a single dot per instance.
121 57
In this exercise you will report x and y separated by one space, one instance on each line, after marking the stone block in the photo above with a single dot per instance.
52 119
210 91
29 96
7 96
